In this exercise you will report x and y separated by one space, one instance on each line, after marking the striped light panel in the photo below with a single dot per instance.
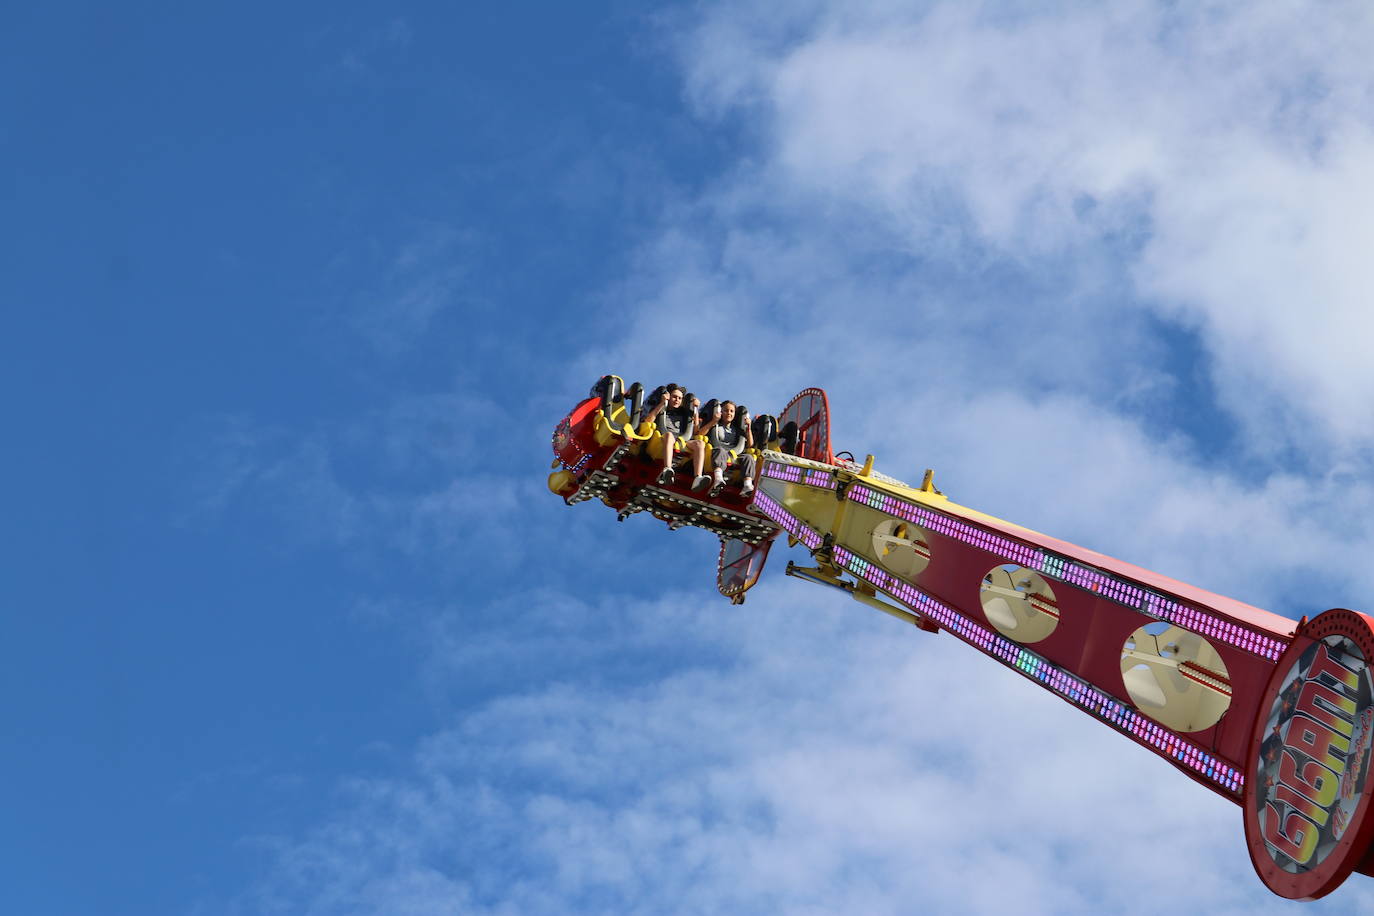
1066 570
811 477
1075 690
788 522
1072 688
788 472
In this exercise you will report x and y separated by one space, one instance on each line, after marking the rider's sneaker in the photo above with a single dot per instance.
665 477
747 488
701 483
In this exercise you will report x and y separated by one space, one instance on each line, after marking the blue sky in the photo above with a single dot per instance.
296 295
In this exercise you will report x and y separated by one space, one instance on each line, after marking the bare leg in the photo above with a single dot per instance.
699 482
669 439
665 476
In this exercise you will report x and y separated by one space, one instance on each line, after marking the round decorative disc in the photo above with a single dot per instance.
1306 802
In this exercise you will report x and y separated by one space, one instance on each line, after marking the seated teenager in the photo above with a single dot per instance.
677 422
726 435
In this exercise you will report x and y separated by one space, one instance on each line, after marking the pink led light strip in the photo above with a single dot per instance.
1035 667
789 522
818 478
811 477
1084 577
788 472
946 525
1073 689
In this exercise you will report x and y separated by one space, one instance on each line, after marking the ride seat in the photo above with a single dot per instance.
655 442
612 416
612 427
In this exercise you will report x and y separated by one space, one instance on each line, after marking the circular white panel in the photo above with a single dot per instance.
1175 677
900 548
1019 603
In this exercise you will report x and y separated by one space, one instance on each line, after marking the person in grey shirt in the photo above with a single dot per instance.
677 422
727 436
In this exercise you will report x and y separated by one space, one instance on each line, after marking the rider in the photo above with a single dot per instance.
677 422
725 437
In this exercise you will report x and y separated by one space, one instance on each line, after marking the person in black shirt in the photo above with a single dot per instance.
727 436
677 422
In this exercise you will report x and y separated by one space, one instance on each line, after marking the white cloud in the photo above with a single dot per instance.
1223 150
850 764
985 228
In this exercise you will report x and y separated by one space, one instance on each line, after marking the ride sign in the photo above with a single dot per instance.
1305 806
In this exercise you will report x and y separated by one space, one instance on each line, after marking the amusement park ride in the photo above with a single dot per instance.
1271 714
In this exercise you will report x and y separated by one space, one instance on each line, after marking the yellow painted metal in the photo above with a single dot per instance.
818 509
852 525
827 574
605 432
810 498
874 602
642 434
868 467
862 592
560 481
616 426
928 495
656 444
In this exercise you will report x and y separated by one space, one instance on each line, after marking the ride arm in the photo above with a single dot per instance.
945 554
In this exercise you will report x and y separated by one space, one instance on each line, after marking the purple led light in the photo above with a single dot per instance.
811 477
1087 578
769 507
1200 622
1067 685
818 478
1017 552
786 520
785 472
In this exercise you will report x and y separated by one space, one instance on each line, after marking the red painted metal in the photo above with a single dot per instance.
576 447
1089 639
1351 851
739 566
1100 603
811 411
